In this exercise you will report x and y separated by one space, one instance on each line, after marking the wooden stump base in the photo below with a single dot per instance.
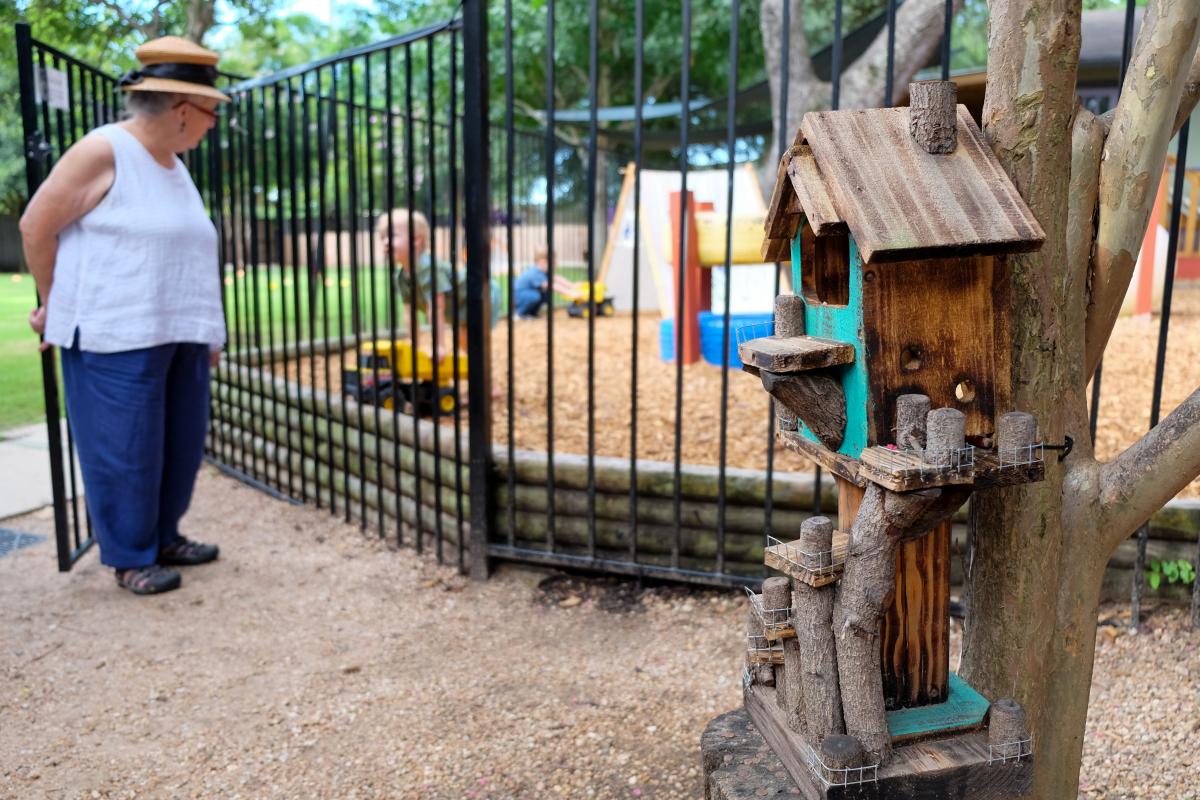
956 766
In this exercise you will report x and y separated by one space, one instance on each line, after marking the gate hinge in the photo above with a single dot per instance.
36 147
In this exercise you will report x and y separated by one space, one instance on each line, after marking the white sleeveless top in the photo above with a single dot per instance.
141 268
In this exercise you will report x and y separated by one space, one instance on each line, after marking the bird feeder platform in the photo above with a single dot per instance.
953 762
813 568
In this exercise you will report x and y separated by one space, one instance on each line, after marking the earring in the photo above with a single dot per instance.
182 125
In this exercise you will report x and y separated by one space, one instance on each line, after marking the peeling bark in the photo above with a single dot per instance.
1134 154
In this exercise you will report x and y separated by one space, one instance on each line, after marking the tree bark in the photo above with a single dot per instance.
1135 152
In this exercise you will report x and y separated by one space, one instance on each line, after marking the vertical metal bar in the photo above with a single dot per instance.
292 270
510 311
33 179
277 115
252 190
593 300
782 136
64 139
237 230
684 80
835 75
551 149
1127 39
352 205
214 182
415 288
638 99
438 324
890 80
1160 356
335 111
277 241
323 132
231 187
731 153
454 155
389 256
947 28
313 280
369 146
478 236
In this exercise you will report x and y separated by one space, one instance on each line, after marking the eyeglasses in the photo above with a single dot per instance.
213 115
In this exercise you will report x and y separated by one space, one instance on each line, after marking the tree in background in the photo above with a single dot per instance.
1040 550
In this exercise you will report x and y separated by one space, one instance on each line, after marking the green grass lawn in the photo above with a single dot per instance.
20 366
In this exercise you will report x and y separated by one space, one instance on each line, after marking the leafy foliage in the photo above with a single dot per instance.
1175 571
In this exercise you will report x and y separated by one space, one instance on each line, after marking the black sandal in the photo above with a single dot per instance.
148 580
186 553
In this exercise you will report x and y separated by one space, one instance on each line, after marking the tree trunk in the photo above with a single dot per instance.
1031 625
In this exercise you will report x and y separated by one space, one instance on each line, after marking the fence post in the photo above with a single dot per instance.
478 240
35 152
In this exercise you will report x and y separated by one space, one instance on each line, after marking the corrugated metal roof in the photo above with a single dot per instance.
902 202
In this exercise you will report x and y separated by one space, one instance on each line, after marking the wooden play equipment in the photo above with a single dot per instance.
659 263
385 372
890 368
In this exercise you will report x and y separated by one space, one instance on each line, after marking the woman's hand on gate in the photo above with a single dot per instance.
37 321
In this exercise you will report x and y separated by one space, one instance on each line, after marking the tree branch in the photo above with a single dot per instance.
918 34
1191 94
1153 470
1087 144
1134 154
805 90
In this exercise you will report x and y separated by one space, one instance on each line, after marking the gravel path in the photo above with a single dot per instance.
313 661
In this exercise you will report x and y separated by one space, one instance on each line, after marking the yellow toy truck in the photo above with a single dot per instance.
385 372
583 300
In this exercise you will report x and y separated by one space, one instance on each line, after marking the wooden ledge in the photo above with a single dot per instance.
955 765
794 353
844 467
787 558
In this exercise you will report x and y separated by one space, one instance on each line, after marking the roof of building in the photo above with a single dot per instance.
860 170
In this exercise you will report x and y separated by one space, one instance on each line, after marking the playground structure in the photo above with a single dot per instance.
889 368
706 225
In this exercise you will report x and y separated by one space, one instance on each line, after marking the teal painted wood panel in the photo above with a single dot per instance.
964 707
843 324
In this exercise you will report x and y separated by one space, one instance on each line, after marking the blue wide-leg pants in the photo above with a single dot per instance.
139 419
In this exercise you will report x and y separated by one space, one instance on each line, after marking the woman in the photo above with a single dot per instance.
125 260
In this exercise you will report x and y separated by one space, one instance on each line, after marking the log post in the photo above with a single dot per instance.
1007 729
790 681
867 582
776 599
842 756
911 411
933 115
789 321
821 705
1015 432
763 674
945 434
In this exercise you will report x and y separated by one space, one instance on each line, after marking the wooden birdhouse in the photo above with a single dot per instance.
897 225
890 368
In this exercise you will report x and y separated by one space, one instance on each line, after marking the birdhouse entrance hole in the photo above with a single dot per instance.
825 267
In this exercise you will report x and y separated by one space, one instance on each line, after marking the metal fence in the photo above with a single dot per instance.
318 399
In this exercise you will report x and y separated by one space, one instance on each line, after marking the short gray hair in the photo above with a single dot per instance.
149 104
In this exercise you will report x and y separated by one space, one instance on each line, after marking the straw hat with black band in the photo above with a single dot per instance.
173 64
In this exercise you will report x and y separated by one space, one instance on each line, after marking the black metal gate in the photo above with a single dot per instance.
62 99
